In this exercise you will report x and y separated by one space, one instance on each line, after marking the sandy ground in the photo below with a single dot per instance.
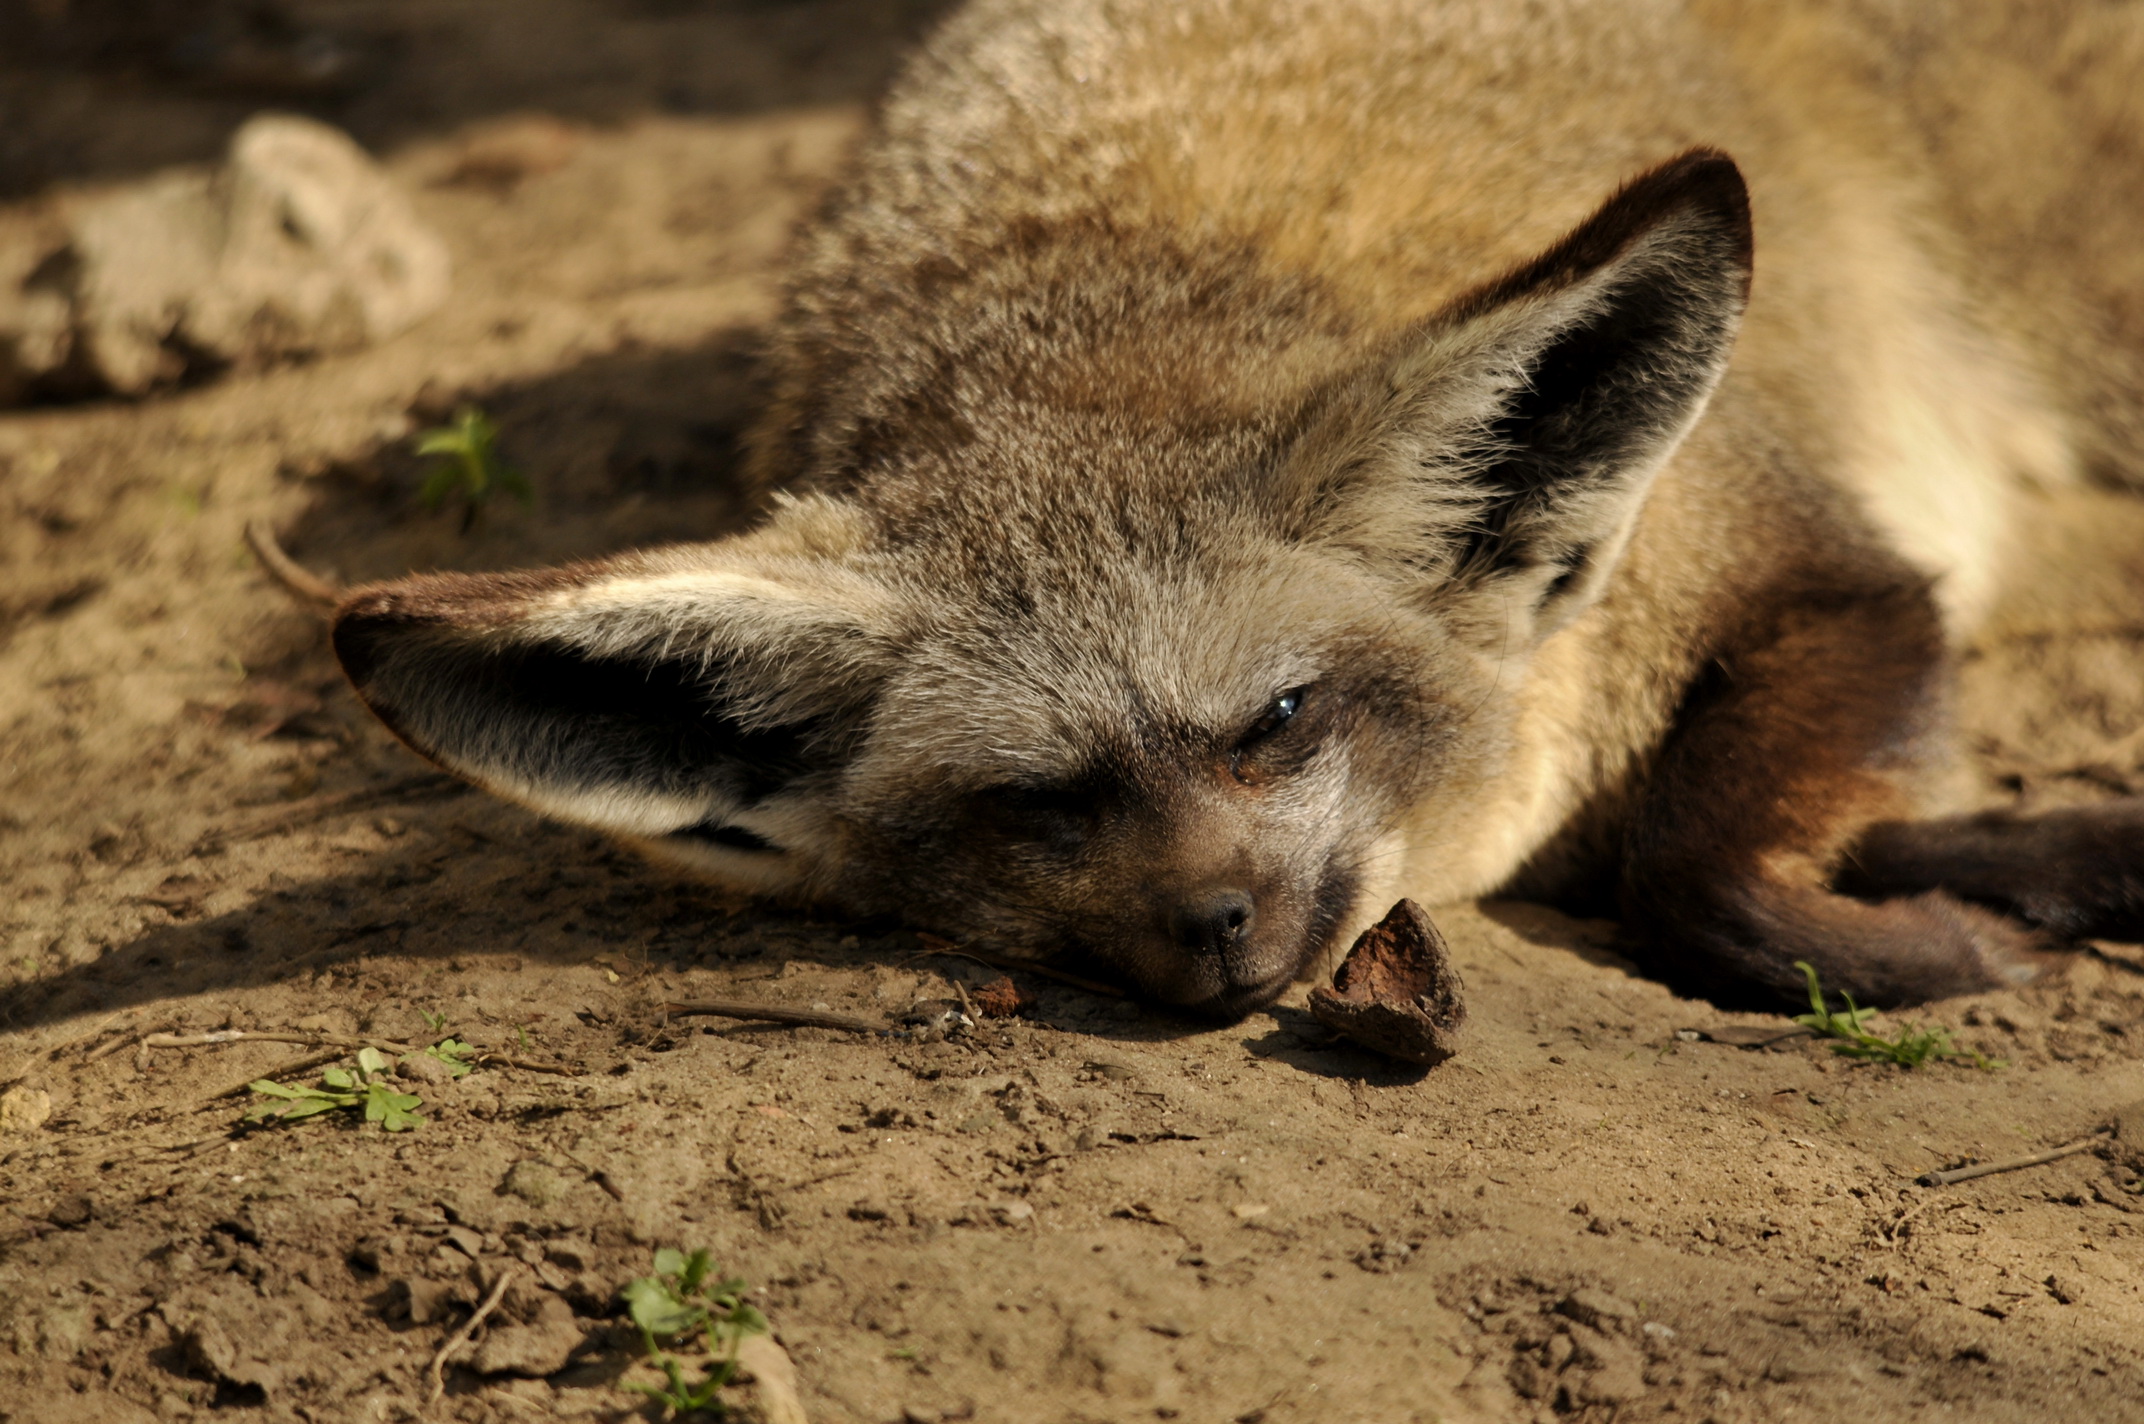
1087 1212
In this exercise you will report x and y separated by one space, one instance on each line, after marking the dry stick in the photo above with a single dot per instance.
126 1039
772 1013
1989 1169
281 1070
996 961
298 581
319 808
95 1036
1892 1231
150 1149
437 1369
222 1036
530 1065
225 1036
339 1043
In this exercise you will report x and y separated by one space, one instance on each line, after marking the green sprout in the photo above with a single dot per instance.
457 1055
684 1299
1912 1047
366 1088
471 466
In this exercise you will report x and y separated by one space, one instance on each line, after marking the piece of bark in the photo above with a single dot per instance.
1397 991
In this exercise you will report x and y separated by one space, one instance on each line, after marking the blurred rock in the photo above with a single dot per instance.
297 244
24 1109
534 1349
225 1332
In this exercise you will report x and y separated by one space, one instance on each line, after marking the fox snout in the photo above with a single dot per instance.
1207 954
1227 947
1212 920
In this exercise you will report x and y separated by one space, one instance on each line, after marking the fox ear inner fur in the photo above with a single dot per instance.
695 710
1511 440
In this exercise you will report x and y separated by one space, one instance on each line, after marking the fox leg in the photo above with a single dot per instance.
2077 873
1784 756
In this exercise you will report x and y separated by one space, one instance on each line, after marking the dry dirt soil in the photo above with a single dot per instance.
1084 1212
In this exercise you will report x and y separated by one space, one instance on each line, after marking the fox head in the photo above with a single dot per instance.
1067 671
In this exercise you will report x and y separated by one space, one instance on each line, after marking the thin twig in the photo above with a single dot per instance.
338 1045
127 1038
529 1065
189 1146
932 944
298 581
772 1013
461 1337
1989 1169
281 1070
1894 1229
224 1036
96 1036
319 808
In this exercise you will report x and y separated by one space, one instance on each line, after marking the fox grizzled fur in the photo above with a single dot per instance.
1240 461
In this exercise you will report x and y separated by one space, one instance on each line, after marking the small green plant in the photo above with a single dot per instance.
471 466
435 1022
684 1299
367 1088
1912 1047
458 1056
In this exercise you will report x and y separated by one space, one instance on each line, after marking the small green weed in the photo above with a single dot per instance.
367 1088
683 1299
456 1054
471 465
1912 1047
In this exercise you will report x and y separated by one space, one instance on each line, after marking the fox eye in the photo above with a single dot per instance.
1279 714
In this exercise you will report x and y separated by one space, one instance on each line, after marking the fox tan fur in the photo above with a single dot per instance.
1236 462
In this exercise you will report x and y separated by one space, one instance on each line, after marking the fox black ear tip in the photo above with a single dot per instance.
1707 179
1708 160
1708 175
358 626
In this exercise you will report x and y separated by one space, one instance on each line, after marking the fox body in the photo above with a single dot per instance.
1234 462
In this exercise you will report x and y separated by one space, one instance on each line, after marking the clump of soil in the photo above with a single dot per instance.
1082 1210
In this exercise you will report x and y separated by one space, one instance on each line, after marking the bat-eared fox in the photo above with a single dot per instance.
1231 463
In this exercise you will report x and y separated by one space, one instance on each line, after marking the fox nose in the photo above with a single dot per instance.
1212 921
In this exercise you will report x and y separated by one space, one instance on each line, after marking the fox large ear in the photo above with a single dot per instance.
693 699
1509 442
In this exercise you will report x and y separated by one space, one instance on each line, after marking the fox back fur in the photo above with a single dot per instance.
1234 462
